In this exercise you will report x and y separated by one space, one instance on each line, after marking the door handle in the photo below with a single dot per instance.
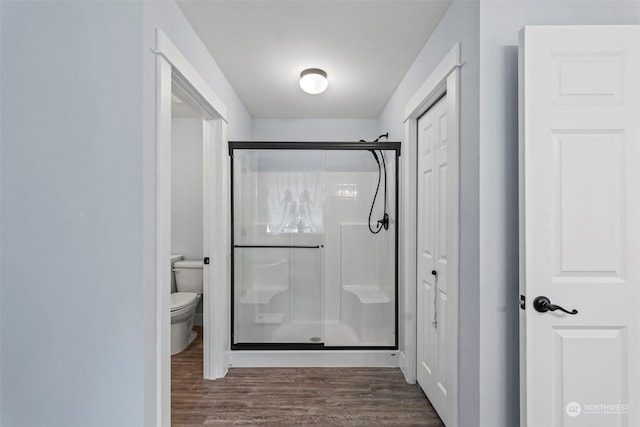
543 304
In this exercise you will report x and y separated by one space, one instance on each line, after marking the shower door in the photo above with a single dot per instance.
313 266
278 237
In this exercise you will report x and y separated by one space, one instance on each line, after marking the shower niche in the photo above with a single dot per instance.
314 245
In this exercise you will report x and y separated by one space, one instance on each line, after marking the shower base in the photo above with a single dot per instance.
334 334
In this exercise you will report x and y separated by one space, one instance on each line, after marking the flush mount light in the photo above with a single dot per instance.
313 81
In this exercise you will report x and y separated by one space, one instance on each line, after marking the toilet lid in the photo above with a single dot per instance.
182 299
188 263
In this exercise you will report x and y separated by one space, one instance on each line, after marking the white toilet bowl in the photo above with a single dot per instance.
183 311
188 276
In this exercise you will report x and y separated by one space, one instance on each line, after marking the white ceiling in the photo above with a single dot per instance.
365 46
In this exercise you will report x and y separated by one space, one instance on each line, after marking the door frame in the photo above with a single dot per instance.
172 68
445 79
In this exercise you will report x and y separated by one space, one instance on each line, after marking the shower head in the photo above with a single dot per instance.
384 135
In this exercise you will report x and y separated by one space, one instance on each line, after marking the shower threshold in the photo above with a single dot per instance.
313 336
314 357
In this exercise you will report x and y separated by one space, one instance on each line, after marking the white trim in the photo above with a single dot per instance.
453 233
408 248
172 69
163 241
166 48
444 79
321 358
208 222
434 86
216 244
522 318
402 361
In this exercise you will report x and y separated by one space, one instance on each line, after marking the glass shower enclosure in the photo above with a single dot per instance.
314 245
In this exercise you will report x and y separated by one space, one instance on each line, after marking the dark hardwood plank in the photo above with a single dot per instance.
294 396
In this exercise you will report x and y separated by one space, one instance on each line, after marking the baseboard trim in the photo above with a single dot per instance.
402 362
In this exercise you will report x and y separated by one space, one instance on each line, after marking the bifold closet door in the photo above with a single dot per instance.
432 338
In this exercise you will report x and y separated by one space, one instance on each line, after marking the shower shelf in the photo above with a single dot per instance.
368 294
262 295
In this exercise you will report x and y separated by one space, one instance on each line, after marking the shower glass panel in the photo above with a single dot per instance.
314 265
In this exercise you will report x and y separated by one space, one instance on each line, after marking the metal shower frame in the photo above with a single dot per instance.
310 145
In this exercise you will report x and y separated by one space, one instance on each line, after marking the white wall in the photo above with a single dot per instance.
186 192
500 22
77 202
72 326
315 130
460 24
186 187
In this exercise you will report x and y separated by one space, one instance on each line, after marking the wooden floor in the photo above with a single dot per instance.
294 396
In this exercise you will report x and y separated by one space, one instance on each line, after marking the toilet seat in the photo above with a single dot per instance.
180 300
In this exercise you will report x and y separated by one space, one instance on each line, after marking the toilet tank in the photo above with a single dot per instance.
174 259
188 276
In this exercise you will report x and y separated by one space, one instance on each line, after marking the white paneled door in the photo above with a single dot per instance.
580 226
434 365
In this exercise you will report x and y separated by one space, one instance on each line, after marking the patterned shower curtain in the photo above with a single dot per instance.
295 202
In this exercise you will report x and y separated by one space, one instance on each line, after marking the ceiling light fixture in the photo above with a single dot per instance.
313 81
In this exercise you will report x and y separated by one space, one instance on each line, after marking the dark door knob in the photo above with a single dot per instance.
543 304
435 273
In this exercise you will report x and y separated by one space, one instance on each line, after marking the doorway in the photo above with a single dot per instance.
430 250
176 76
187 189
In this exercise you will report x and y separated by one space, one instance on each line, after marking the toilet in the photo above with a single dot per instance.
188 276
